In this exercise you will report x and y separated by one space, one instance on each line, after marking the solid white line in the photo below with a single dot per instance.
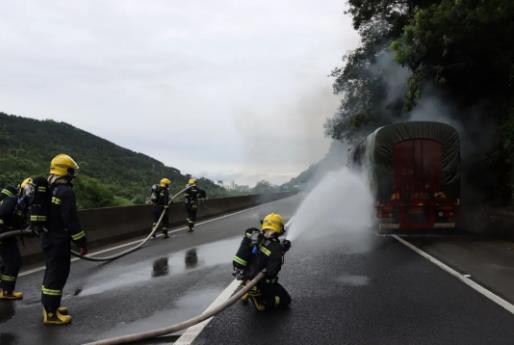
192 332
466 280
41 268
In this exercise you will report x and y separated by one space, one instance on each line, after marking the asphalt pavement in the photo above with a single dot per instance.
347 288
167 281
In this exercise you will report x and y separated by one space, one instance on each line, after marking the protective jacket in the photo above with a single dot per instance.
192 195
7 213
257 253
163 197
63 221
9 252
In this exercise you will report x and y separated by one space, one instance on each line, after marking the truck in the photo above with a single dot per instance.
414 174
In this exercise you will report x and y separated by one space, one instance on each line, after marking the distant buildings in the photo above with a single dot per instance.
233 187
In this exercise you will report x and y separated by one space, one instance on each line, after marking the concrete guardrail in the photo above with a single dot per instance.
111 224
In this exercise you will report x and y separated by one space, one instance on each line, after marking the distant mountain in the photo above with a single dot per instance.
109 174
335 158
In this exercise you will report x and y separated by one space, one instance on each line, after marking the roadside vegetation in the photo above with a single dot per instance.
446 60
110 175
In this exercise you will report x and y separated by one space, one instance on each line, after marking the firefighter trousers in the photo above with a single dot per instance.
273 296
57 259
157 210
191 214
11 263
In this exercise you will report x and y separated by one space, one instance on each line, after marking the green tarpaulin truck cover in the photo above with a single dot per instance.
380 148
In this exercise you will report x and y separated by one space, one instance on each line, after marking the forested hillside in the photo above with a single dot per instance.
444 60
109 174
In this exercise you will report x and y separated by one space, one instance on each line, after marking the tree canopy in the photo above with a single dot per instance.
462 49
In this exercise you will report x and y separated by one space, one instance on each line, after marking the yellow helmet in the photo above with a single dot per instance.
165 182
274 223
63 165
191 181
25 182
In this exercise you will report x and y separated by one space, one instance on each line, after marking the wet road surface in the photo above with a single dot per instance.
363 289
347 288
168 281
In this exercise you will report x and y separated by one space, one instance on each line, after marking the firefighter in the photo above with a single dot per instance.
261 250
192 197
9 251
160 199
62 226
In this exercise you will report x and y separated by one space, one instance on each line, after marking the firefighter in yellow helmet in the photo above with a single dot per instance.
62 227
192 198
259 250
10 256
160 199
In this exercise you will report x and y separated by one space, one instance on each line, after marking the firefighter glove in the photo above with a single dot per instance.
238 273
286 244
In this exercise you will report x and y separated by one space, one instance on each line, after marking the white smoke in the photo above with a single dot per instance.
394 75
431 107
341 203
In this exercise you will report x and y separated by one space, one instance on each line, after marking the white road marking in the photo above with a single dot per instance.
463 278
191 333
41 268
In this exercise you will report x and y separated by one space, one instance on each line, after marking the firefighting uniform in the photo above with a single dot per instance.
160 204
63 225
9 251
255 254
191 203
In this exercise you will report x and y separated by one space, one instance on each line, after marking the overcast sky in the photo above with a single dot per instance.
228 89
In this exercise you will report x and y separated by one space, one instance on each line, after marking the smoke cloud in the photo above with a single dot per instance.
340 204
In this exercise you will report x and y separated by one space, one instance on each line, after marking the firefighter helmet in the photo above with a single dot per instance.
63 165
26 182
192 181
273 222
165 182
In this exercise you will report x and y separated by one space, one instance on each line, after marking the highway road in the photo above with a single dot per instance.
347 288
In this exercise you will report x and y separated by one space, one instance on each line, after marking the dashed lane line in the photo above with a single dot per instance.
463 278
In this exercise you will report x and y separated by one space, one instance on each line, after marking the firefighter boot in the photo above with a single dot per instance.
190 224
10 296
63 310
57 318
245 298
165 232
255 295
257 303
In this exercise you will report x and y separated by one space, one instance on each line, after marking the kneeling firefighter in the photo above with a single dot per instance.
261 250
10 219
193 196
62 226
160 198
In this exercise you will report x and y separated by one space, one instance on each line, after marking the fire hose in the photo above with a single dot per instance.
182 325
105 258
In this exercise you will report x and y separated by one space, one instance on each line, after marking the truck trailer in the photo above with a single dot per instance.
414 174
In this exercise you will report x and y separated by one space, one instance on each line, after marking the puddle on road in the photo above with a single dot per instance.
188 306
353 280
209 254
